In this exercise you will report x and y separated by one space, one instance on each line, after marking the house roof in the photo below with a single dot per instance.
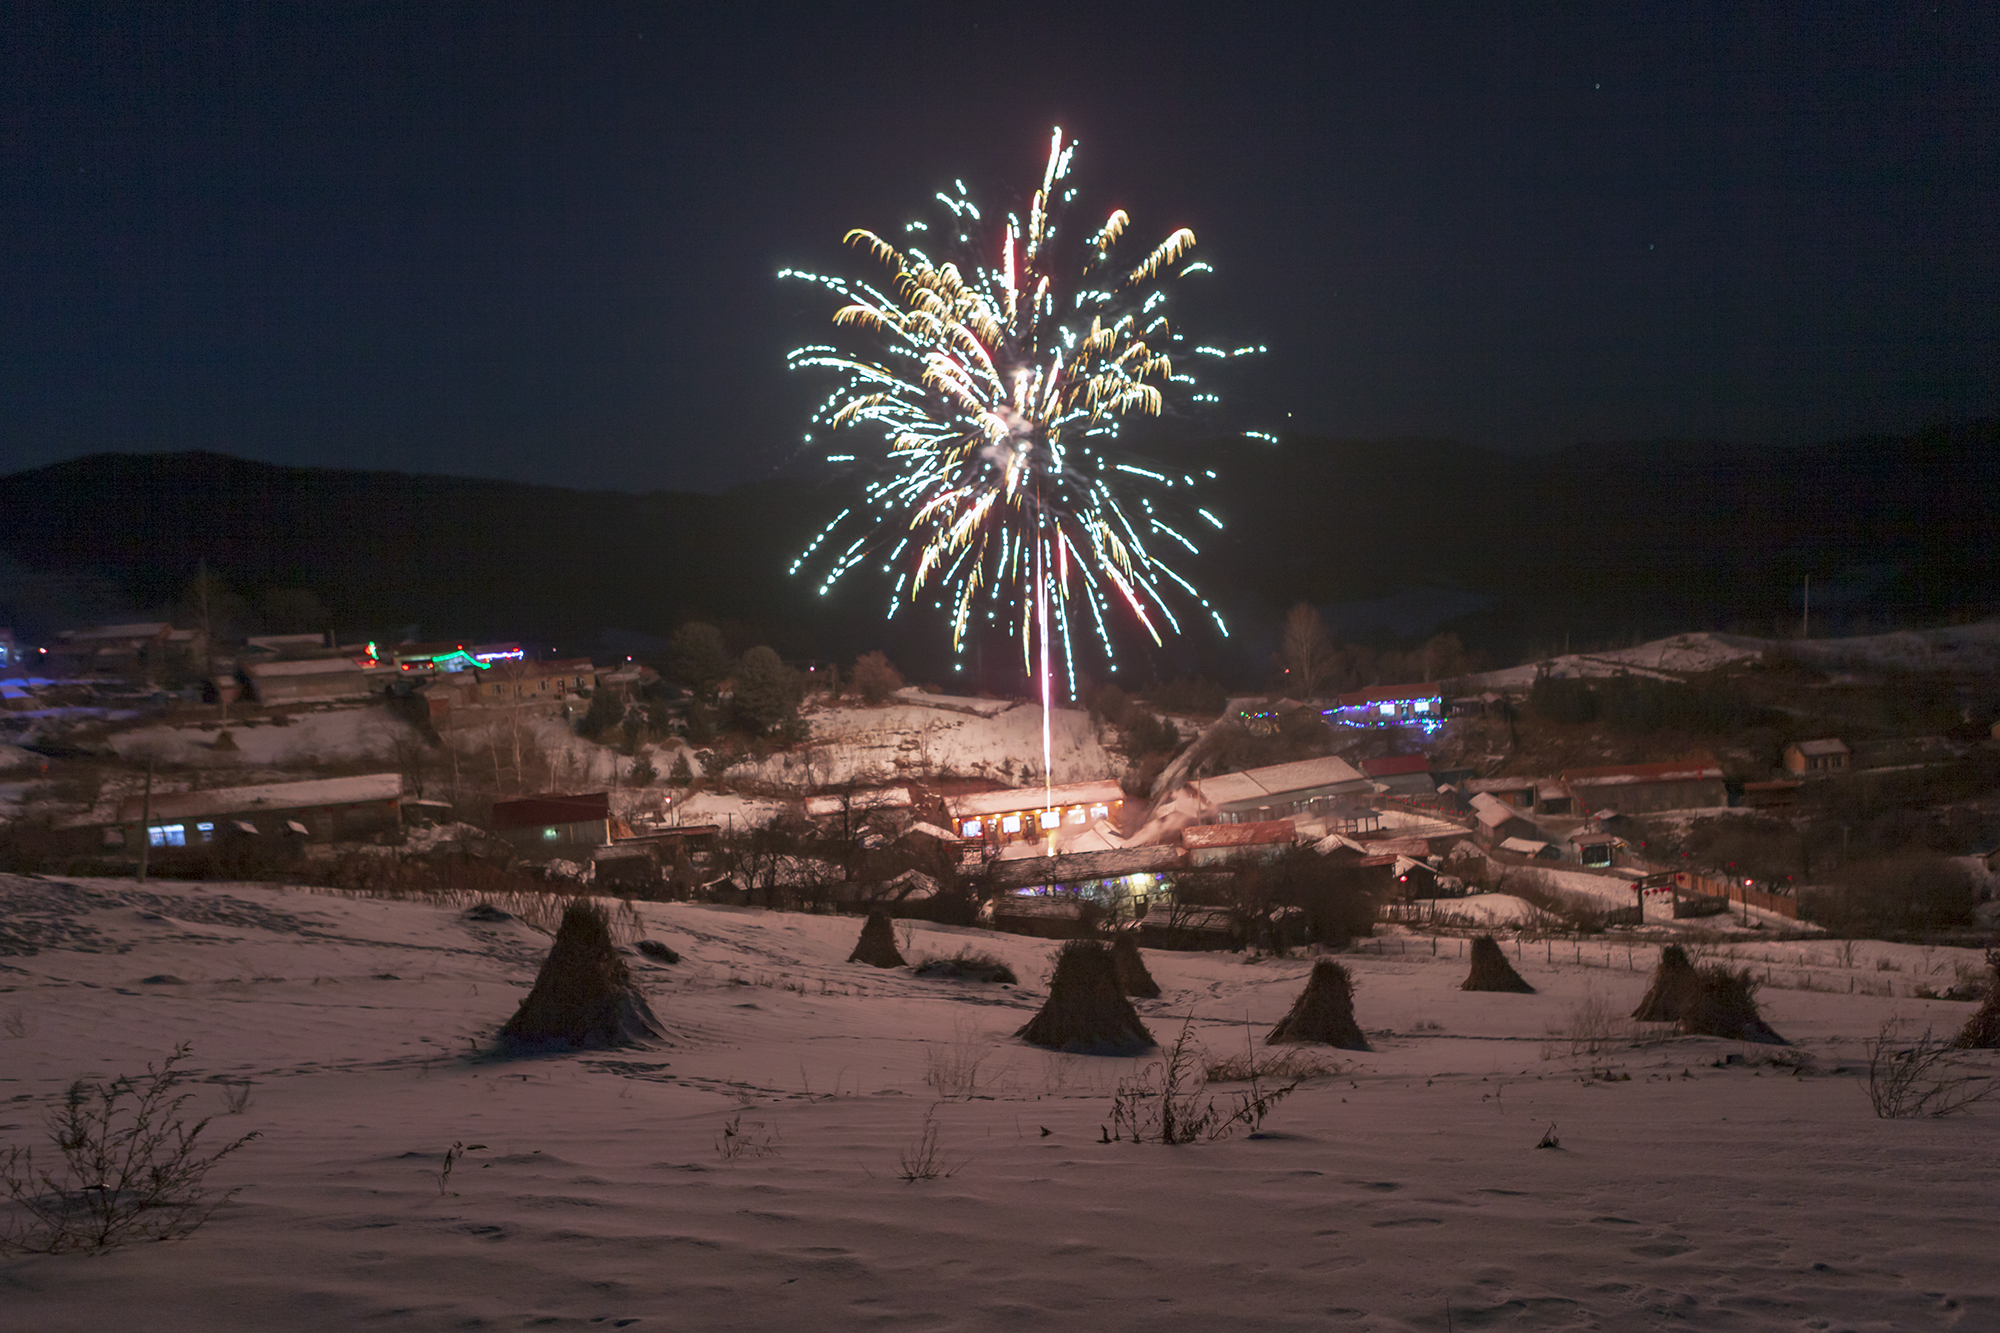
1496 784
553 808
265 796
313 666
1083 866
1523 846
1492 811
1695 767
1238 835
1277 780
1394 765
1392 694
1830 745
1018 799
143 630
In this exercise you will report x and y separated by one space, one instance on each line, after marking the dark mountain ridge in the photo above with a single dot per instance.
1597 543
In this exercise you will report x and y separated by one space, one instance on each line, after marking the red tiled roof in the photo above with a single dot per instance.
1395 764
528 811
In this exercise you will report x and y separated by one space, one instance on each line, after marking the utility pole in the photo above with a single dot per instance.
1805 612
146 820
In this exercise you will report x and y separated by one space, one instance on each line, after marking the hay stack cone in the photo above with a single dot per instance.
1982 1030
583 996
877 945
1722 1003
1324 1011
1133 978
1674 980
1086 1012
1491 971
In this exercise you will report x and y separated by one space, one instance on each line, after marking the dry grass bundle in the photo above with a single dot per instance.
1133 978
1722 1003
1324 1011
583 997
1674 981
1982 1030
1086 1012
877 945
1491 971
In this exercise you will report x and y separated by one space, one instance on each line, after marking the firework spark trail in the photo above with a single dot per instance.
997 396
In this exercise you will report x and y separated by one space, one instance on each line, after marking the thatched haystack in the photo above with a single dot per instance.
1086 1012
1133 978
1674 981
877 945
1324 1011
1491 971
583 997
1982 1030
1722 1003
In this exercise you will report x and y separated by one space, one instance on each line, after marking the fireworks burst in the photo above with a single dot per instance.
997 381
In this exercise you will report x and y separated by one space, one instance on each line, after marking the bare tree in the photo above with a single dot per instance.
1305 651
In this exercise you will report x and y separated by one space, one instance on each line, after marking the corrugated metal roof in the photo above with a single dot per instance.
1018 799
266 796
1238 835
1693 768
1830 745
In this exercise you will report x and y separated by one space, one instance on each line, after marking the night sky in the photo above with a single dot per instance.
539 242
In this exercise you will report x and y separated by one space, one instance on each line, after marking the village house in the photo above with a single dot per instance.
321 810
1401 774
554 824
1420 706
139 651
312 680
1211 845
1818 758
1689 784
1029 814
1307 787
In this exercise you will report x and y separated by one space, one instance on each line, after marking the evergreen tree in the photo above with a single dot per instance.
698 658
767 691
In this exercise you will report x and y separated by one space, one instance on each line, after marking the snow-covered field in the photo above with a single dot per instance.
1406 1193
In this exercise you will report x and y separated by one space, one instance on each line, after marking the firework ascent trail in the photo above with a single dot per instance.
995 384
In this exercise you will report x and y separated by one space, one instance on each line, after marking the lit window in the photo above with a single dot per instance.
1051 819
207 832
1010 823
1100 811
969 829
550 835
168 835
1388 710
1076 815
1423 705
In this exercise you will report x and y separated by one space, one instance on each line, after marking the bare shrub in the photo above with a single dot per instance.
1166 1103
1926 1078
954 1070
738 1140
968 964
132 1169
1589 1026
1294 1064
923 1158
1982 1030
